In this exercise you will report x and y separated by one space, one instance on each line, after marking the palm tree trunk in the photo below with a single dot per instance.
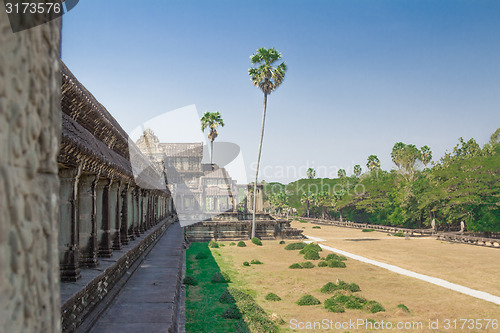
211 151
258 163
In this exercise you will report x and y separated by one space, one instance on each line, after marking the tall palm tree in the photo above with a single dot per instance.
341 173
211 120
311 173
357 170
373 163
267 77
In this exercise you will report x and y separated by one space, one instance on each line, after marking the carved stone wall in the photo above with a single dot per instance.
30 125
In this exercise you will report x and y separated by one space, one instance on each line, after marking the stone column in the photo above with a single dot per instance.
137 213
68 225
115 210
104 219
124 214
130 213
142 221
88 220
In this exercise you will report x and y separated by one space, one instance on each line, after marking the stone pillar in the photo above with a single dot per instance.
30 128
104 220
124 196
87 220
142 225
115 210
137 212
68 224
131 213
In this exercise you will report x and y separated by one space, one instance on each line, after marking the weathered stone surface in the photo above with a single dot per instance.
30 125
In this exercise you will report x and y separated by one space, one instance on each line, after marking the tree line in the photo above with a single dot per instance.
464 185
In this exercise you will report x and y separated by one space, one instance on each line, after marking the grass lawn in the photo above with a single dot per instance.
424 301
203 309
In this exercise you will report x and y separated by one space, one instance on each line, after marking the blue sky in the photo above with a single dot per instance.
362 75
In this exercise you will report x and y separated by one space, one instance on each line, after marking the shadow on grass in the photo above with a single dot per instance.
203 309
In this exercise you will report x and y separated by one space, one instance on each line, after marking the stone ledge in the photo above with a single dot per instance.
95 289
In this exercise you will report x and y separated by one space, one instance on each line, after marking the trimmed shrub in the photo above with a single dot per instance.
311 247
246 263
316 227
282 242
308 300
232 244
403 307
220 278
307 264
334 256
329 288
374 307
399 234
241 244
311 255
226 297
190 281
295 266
322 263
350 301
256 262
295 246
256 241
333 305
336 264
272 297
213 245
302 221
221 244
201 255
368 230
232 312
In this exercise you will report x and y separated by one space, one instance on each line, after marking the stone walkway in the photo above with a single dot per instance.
149 301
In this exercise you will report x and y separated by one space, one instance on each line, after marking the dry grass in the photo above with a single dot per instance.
425 301
471 266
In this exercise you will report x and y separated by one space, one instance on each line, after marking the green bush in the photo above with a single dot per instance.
190 281
399 234
334 256
308 300
307 264
246 263
322 264
213 245
311 247
368 230
403 307
331 287
333 305
220 278
232 244
302 221
350 301
282 242
232 312
256 262
336 264
272 297
374 307
295 266
311 255
241 244
316 227
221 244
201 255
295 246
256 241
226 297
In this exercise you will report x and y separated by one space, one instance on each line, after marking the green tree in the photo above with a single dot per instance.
373 163
266 76
311 173
211 120
405 157
322 200
426 155
306 198
341 173
357 170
